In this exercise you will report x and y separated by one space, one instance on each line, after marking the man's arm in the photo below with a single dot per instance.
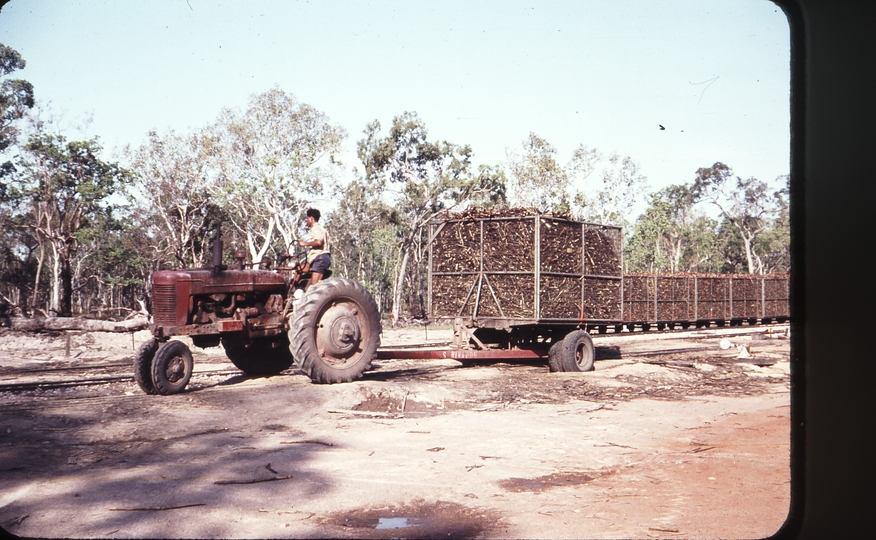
317 243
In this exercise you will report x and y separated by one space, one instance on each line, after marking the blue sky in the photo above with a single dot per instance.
714 73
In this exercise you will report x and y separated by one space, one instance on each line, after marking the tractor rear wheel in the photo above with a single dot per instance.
172 367
259 357
335 331
143 366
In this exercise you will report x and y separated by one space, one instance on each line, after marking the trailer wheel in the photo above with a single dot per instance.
143 366
335 332
259 357
576 352
172 367
554 362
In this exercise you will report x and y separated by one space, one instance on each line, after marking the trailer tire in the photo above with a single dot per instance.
259 357
554 362
576 352
172 367
143 366
335 331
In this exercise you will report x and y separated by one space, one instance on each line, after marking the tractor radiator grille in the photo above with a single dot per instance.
164 304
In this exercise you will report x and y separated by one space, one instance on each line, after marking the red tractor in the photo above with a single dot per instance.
266 319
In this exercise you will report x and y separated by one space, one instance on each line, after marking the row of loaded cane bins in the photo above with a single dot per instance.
680 299
632 301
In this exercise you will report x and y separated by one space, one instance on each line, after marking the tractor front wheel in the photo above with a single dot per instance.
172 367
143 366
335 332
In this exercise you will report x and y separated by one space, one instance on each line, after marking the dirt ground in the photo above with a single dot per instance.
670 437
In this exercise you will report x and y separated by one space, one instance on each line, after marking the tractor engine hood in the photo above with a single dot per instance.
173 290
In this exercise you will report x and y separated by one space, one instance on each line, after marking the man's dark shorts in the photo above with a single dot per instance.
321 263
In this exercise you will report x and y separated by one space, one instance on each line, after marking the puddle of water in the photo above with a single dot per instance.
393 523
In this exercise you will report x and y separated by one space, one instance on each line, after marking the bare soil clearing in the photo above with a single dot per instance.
670 437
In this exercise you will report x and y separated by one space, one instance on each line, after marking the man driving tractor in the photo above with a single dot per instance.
318 258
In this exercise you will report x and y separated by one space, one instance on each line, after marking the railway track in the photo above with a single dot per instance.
121 371
89 381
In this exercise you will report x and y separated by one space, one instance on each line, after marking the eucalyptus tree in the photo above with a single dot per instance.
704 247
18 260
590 186
173 192
536 179
664 234
421 179
64 187
362 225
747 206
774 245
606 187
16 96
672 235
645 251
16 244
271 161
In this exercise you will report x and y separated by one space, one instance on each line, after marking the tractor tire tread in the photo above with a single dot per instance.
166 352
301 334
143 366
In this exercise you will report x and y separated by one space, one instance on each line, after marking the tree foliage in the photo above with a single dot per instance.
16 96
173 192
747 206
536 178
751 236
111 269
605 188
364 239
63 187
421 179
17 245
672 235
67 245
271 161
591 186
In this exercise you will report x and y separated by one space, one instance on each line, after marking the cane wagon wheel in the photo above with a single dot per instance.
555 364
576 352
335 331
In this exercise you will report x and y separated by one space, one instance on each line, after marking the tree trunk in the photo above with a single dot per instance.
747 241
656 256
55 304
676 257
398 287
66 301
39 270
72 323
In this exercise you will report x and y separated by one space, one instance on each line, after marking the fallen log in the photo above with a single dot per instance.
73 323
